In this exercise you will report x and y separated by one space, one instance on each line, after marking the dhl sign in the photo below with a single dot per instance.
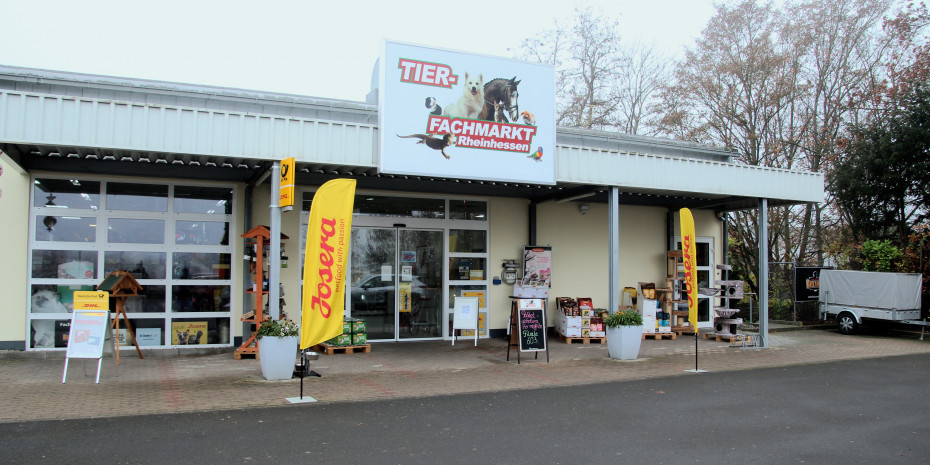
91 300
286 189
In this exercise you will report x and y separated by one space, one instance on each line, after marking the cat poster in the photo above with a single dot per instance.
188 332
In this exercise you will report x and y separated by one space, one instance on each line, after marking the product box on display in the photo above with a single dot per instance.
648 309
568 326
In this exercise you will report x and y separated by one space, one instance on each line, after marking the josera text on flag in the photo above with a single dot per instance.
327 254
690 262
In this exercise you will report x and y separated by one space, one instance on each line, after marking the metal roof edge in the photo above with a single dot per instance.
68 78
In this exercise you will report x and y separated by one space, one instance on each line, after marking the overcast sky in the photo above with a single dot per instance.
317 48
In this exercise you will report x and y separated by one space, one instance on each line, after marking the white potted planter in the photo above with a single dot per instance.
277 348
624 334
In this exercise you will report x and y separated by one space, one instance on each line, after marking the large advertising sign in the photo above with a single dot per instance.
807 283
456 115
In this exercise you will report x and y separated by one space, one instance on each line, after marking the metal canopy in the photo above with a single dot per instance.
99 161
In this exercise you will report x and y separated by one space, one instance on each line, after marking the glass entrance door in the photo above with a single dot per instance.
704 256
396 282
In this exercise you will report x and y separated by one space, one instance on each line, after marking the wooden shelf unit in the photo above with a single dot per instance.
675 290
258 237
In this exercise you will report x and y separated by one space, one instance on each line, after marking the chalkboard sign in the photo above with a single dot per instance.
532 329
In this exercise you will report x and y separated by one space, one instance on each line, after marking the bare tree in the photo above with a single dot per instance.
778 86
642 78
601 83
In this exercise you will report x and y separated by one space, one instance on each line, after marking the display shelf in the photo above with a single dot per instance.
674 282
257 238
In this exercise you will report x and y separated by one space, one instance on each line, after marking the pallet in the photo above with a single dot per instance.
330 350
583 340
239 355
248 351
726 337
660 336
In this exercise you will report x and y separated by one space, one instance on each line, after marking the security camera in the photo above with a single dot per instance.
583 208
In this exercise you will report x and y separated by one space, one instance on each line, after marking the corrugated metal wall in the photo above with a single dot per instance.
43 119
660 173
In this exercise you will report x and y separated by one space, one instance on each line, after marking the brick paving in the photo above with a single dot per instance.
188 383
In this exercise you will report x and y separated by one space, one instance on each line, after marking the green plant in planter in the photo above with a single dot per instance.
277 328
624 318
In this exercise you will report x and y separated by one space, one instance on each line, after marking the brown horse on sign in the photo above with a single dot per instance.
501 94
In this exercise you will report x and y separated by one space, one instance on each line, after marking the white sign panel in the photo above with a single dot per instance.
457 115
87 334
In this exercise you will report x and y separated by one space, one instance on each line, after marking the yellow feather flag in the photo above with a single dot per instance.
327 254
689 254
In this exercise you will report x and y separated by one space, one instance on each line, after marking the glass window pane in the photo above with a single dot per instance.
703 254
468 210
142 265
53 298
64 264
195 265
151 299
407 207
209 200
703 279
207 298
66 228
703 309
135 231
466 269
473 291
466 240
201 232
137 197
47 334
189 331
66 193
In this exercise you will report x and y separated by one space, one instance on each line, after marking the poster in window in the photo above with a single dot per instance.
188 332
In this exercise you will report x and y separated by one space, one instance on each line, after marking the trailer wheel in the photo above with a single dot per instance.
847 323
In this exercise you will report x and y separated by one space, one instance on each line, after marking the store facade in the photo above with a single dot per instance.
162 179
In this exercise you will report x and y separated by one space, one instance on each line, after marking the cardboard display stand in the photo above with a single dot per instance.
87 336
466 316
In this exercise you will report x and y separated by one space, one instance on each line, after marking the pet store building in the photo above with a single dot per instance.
162 180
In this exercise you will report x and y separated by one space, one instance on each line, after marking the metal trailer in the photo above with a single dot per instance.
855 297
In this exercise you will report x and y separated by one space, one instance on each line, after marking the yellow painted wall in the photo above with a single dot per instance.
14 209
580 265
509 231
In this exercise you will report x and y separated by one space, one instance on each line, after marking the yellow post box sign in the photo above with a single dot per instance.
91 300
286 189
